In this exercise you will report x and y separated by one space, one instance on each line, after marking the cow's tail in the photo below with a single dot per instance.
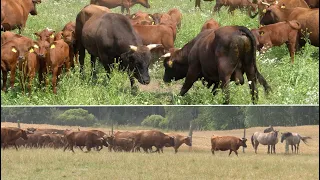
304 139
252 142
252 39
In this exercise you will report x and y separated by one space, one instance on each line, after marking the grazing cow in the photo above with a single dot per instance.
176 16
232 53
308 18
58 55
107 40
147 139
142 18
233 4
16 13
178 141
210 24
83 138
224 143
125 4
278 34
9 135
11 52
46 35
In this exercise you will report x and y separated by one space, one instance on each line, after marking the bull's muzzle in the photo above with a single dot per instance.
21 58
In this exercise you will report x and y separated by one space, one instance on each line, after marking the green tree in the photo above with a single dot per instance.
76 117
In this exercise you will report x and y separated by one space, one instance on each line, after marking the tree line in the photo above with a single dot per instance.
167 117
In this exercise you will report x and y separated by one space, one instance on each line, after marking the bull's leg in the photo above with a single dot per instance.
217 7
81 58
65 147
93 67
67 64
15 146
230 152
297 148
71 56
122 9
212 151
12 76
292 50
268 149
256 147
236 152
54 79
88 147
192 76
31 78
252 80
4 80
214 89
274 149
292 149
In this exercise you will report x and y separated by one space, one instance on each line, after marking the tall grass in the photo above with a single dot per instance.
291 84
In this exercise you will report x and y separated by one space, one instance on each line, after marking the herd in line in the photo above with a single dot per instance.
217 55
133 141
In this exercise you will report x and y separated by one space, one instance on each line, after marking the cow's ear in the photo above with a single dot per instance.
36 34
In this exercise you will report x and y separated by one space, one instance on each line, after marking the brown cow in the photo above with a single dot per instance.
210 24
58 55
178 141
232 53
46 131
142 18
83 138
313 3
12 52
52 140
125 4
16 13
8 36
46 35
176 16
233 4
278 34
9 135
224 143
123 140
148 139
308 18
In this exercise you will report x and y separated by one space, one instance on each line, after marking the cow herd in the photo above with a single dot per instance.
217 55
134 141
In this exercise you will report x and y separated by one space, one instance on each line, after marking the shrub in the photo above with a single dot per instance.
76 117
153 121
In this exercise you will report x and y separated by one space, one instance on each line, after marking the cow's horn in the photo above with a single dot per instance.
265 3
151 46
134 48
166 55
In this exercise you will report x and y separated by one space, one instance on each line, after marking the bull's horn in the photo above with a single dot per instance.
134 48
166 55
151 46
49 29
265 3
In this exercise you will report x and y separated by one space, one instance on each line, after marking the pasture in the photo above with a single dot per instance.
197 163
296 83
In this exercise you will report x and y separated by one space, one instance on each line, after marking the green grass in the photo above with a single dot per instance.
55 164
291 84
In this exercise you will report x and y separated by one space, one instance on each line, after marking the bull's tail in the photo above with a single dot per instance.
304 139
252 142
253 43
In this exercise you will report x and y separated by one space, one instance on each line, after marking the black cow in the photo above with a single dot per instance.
218 56
111 36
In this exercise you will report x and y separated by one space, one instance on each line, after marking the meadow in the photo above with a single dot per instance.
296 83
194 163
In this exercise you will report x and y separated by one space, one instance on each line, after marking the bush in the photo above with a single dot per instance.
153 121
76 117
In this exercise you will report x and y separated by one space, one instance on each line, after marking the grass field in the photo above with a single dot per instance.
291 84
198 163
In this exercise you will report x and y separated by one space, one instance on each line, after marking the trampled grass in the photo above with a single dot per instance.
291 84
198 163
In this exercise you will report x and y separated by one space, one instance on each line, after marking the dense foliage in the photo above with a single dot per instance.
167 117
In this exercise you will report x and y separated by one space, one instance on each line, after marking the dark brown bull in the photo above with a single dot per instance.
107 40
210 24
125 4
224 143
222 56
9 135
83 138
308 18
11 52
148 139
278 34
16 13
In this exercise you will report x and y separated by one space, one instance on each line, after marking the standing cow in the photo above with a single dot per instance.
178 141
224 143
9 135
125 4
148 139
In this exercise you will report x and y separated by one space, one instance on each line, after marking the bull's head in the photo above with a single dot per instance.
33 9
24 135
138 59
272 15
243 142
68 37
144 3
174 70
21 51
41 48
187 141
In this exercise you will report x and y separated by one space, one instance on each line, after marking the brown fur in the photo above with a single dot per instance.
233 4
176 16
45 35
224 143
147 139
9 135
210 24
83 138
125 4
278 34
142 18
178 141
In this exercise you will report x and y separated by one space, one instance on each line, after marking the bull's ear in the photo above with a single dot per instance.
261 33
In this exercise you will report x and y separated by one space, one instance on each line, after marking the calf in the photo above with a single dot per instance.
176 16
278 34
46 35
224 143
125 4
9 135
12 52
58 55
210 24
